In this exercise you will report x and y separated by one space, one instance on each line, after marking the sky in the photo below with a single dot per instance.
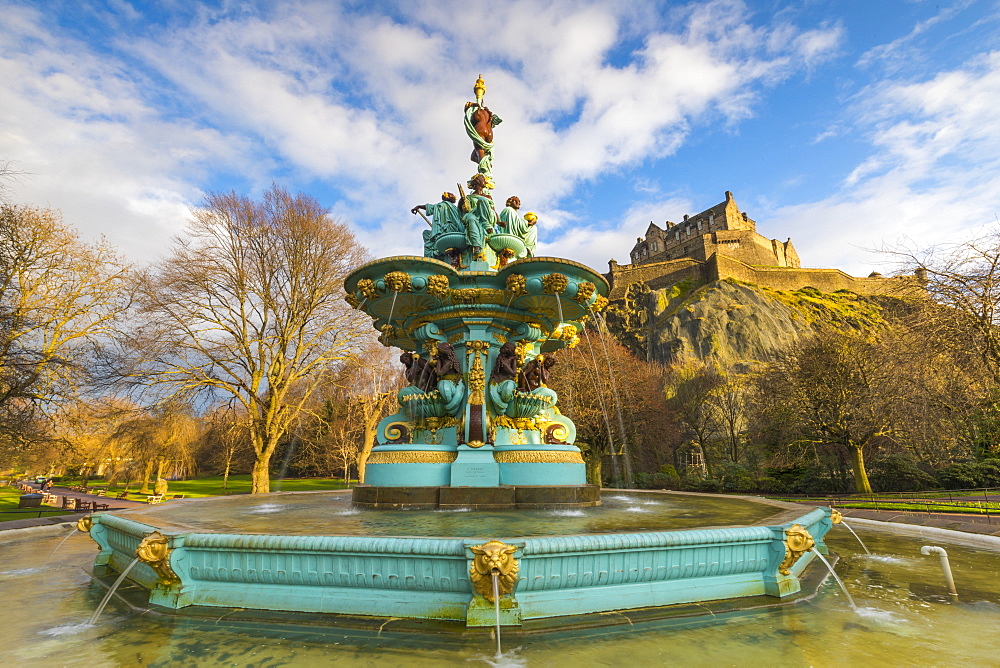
847 125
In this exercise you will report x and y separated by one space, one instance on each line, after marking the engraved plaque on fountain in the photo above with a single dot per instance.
475 468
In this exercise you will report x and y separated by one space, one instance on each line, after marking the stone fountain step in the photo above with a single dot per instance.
479 498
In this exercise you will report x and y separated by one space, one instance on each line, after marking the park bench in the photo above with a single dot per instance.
122 495
155 498
176 496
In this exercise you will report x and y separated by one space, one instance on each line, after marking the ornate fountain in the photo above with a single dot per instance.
479 319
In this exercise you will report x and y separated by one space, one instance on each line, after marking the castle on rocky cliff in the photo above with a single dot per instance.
723 242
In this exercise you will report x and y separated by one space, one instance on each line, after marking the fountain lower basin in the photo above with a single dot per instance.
580 562
905 617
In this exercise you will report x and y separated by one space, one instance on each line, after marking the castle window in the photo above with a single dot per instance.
699 224
655 247
711 219
677 235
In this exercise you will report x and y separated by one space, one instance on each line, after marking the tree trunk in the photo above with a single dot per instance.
861 484
225 475
366 451
145 478
260 479
594 473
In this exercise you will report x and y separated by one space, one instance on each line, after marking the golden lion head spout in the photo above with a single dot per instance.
493 557
797 542
154 551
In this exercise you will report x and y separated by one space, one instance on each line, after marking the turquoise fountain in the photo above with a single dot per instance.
479 319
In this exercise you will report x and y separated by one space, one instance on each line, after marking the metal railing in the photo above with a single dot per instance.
880 502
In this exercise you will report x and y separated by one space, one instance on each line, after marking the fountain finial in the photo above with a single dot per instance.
480 90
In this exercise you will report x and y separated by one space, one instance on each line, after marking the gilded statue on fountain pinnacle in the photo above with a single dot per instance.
467 228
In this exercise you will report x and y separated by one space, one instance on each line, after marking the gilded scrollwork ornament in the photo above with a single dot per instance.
353 300
388 334
599 304
493 557
522 350
397 432
411 457
537 457
477 381
797 542
477 296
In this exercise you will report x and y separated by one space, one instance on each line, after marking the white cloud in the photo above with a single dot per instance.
371 103
80 126
596 245
933 175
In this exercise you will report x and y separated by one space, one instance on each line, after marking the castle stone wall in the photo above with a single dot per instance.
654 274
662 274
824 280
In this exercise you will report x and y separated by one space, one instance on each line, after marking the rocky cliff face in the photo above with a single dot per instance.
731 323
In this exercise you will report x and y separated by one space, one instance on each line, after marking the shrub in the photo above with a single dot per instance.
897 473
656 481
965 475
769 485
694 483
734 478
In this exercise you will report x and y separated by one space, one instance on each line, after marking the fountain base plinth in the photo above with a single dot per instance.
479 498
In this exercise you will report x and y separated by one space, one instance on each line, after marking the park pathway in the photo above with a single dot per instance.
113 504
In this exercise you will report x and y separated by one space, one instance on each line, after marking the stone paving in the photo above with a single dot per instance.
968 523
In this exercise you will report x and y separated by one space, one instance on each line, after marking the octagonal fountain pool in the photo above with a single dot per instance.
315 552
904 617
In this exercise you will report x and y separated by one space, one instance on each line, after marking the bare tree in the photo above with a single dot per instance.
846 393
8 173
163 436
730 401
374 380
689 392
964 276
59 297
644 430
249 306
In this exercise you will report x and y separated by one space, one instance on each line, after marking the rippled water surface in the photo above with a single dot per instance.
905 618
321 513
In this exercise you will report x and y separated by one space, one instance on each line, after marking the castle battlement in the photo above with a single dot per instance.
723 242
722 228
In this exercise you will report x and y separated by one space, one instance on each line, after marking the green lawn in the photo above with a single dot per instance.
9 497
212 486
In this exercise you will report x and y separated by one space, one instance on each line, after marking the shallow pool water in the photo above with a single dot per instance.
904 618
324 513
